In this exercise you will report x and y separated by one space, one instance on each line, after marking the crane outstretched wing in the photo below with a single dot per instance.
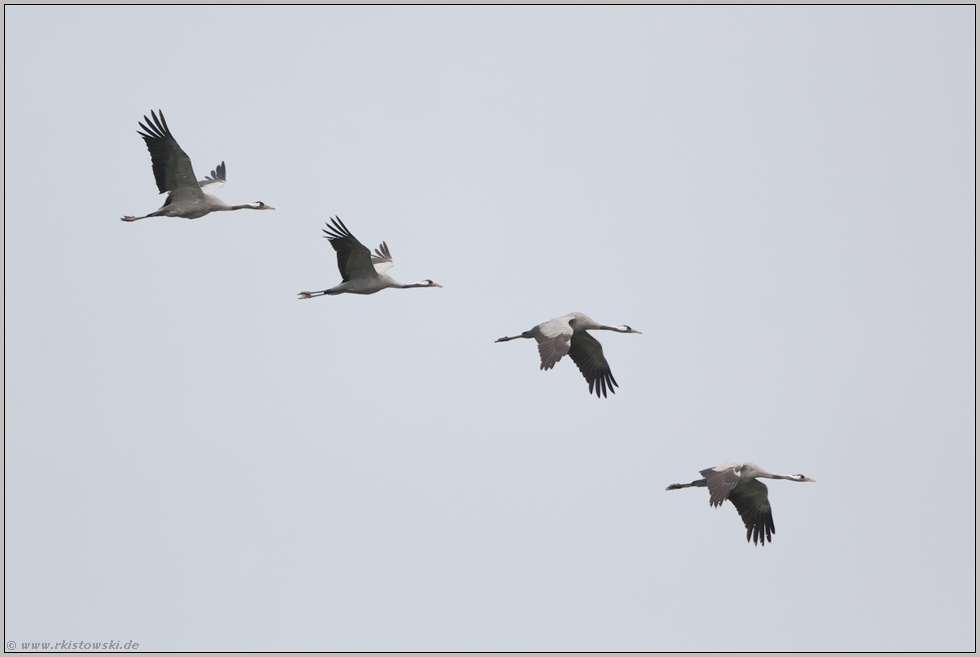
353 258
751 499
213 182
554 340
587 354
721 482
171 166
382 259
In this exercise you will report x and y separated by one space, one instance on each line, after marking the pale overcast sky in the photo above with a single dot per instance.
780 199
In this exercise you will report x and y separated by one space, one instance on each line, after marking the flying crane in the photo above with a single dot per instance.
362 272
567 335
739 483
188 197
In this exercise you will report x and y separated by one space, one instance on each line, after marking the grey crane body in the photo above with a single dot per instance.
739 483
567 335
362 272
188 197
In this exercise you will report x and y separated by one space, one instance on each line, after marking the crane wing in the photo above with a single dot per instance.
215 181
551 350
751 499
382 259
353 258
553 339
587 354
171 166
721 482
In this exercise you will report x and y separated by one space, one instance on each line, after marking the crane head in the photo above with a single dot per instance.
259 205
428 283
627 329
799 477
